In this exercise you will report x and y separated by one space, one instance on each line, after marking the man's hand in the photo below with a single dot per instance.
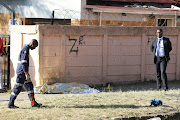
27 77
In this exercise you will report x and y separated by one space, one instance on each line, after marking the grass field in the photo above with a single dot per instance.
101 106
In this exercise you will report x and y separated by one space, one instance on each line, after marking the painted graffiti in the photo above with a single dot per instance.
75 40
80 40
73 50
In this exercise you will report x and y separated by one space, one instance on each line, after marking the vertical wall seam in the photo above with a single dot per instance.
177 58
143 57
63 58
104 59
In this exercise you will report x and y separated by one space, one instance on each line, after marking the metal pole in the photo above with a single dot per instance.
52 18
176 14
12 17
88 17
100 18
11 10
8 54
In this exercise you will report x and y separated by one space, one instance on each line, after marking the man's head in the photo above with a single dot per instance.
33 44
159 33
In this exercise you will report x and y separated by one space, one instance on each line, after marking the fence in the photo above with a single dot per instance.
114 19
6 61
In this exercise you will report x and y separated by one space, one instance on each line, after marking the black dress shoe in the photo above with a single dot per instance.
165 89
12 106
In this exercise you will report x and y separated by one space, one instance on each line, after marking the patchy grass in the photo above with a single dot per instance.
104 105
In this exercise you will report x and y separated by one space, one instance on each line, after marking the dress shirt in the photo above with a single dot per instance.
161 47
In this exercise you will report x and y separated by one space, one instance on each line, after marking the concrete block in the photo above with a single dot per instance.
124 60
123 70
149 60
150 69
85 79
84 51
51 61
174 49
83 71
124 50
84 61
173 39
50 72
86 40
51 41
122 78
171 68
51 51
124 40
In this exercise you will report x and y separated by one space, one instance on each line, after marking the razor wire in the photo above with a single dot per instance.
110 19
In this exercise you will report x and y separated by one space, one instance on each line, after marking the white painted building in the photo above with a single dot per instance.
43 8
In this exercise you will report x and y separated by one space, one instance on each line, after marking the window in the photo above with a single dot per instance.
164 22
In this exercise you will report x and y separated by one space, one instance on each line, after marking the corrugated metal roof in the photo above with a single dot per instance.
154 1
132 10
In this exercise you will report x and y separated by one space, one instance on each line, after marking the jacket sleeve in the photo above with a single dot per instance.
169 45
152 45
24 61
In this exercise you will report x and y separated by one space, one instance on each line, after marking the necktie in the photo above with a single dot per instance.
158 46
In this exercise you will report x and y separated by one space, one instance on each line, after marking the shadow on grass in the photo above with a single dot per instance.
44 106
173 95
91 106
3 100
95 106
104 106
112 106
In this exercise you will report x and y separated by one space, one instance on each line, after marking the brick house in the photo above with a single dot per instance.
90 12
135 12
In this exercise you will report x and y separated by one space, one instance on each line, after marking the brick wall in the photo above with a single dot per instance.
83 22
4 18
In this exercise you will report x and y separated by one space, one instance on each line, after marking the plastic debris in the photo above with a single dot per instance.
156 118
64 88
156 102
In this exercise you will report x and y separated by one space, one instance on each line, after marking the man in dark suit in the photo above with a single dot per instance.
160 47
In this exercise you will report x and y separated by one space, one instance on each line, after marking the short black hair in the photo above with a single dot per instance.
35 41
160 30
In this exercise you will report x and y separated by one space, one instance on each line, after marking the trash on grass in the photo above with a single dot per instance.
156 102
63 88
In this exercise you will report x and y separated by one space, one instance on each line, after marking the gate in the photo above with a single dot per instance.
6 61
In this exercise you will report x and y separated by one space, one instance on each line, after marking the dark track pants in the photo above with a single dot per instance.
21 81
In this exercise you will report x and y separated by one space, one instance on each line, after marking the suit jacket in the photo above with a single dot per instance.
167 48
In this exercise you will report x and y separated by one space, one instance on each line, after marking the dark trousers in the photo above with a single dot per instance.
161 76
21 81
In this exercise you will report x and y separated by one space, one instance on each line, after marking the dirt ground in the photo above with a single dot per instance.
139 86
114 87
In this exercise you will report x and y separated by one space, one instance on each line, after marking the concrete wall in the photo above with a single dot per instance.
105 54
22 35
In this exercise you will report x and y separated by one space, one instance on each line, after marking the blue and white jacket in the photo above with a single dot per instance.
23 60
